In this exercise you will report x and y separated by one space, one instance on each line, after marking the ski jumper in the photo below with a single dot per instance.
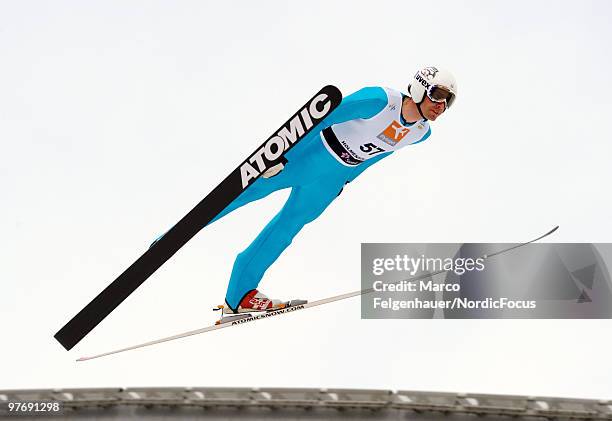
366 127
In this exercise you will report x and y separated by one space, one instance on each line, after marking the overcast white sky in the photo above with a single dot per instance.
117 117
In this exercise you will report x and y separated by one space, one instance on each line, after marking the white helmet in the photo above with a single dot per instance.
426 80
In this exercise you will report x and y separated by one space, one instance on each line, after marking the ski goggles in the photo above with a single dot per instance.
441 94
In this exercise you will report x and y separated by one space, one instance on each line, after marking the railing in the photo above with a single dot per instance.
208 397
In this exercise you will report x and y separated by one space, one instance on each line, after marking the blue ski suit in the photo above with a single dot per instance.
315 177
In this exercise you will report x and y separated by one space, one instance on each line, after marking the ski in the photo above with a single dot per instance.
270 153
292 309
